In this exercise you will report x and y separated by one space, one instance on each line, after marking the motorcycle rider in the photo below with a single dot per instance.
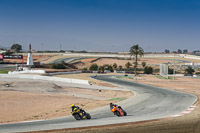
74 107
111 105
114 106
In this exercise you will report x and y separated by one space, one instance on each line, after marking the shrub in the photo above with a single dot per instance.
94 67
170 71
84 69
189 70
148 70
108 67
197 73
58 66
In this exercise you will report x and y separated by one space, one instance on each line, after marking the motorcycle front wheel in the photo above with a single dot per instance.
117 113
88 116
125 114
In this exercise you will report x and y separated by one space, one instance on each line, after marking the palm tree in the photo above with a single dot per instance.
136 51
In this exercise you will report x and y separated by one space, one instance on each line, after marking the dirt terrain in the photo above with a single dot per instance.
122 62
86 63
33 100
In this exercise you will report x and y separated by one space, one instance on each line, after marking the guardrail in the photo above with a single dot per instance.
59 73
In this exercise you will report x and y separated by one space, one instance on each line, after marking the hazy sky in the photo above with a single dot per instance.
101 25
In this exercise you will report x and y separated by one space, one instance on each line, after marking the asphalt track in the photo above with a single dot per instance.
148 103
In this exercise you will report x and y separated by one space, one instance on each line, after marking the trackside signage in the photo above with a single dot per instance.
11 56
1 57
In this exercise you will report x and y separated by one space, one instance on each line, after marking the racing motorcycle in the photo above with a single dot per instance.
117 110
80 114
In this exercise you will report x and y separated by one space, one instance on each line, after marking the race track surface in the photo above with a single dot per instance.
148 103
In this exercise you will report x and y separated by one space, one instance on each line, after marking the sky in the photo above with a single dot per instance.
101 25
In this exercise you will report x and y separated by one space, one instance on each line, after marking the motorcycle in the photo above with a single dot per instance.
117 110
80 114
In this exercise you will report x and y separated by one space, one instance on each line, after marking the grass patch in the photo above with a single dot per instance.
3 71
119 77
161 77
117 99
36 116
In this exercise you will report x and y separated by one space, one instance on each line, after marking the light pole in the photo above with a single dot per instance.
41 53
174 68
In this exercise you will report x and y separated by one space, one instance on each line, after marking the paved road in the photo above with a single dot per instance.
68 59
148 103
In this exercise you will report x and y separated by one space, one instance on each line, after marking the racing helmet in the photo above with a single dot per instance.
72 105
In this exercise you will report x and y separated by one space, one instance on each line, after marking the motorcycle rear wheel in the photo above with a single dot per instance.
77 116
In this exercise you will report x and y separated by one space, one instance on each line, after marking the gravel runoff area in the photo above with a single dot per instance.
187 123
25 99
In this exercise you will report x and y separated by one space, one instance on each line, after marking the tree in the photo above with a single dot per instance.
148 70
128 64
94 67
58 66
16 47
8 53
108 67
101 68
120 68
144 64
189 70
136 51
115 66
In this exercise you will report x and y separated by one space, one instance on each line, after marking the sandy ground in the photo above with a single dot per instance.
189 123
33 100
53 58
86 63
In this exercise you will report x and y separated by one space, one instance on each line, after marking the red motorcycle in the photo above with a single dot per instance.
117 110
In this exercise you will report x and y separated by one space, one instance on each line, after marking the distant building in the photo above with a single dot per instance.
167 51
179 51
185 51
2 51
196 52
174 52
